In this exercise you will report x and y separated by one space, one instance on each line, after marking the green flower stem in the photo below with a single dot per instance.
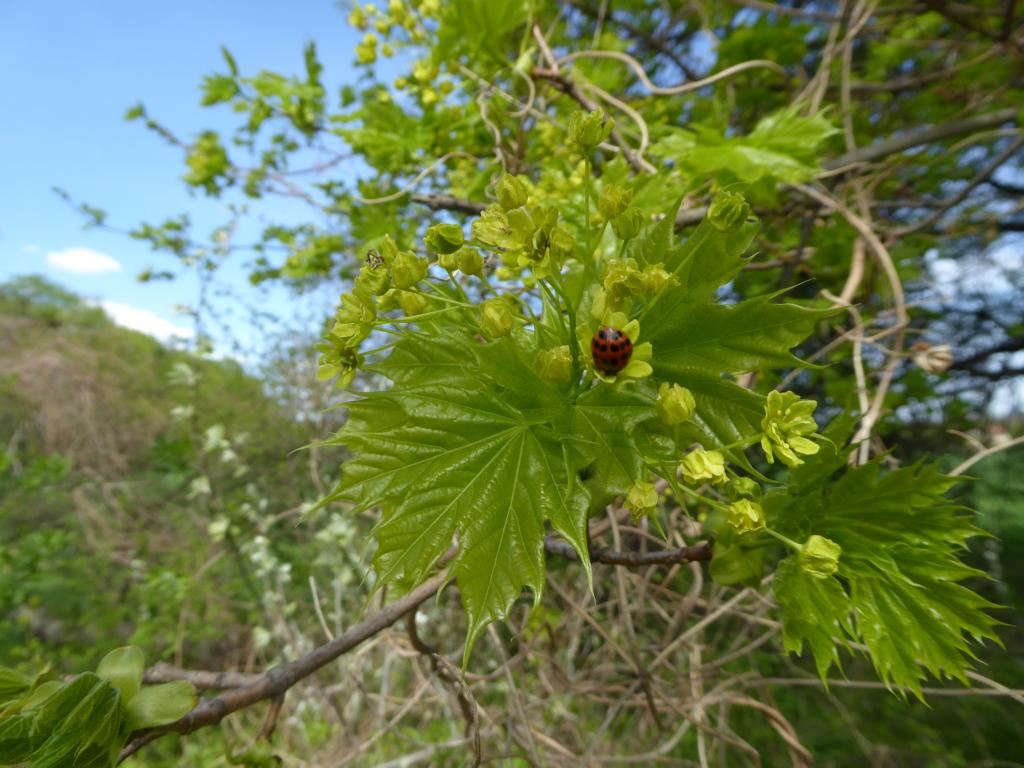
487 283
417 318
586 206
744 443
785 540
437 293
555 285
709 501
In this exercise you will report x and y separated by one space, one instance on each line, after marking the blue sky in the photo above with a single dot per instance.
68 72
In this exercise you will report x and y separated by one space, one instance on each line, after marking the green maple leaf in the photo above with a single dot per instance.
465 442
603 425
701 344
813 610
899 575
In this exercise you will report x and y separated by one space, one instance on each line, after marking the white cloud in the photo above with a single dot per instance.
82 261
145 321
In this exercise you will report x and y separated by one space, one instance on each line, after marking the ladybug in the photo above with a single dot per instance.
611 350
374 260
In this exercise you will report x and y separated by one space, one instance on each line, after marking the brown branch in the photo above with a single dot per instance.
697 552
270 722
444 670
277 680
991 167
201 679
448 203
247 690
911 139
570 89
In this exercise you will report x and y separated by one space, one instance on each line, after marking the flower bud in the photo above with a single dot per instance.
656 279
622 280
408 270
470 261
561 242
641 499
614 201
496 318
511 192
700 465
933 359
819 557
554 364
411 302
728 210
628 225
745 486
448 261
746 516
423 71
444 238
587 130
675 404
366 51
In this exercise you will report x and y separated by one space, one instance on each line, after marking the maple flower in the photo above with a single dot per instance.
496 318
614 200
675 404
819 557
554 364
587 130
700 465
786 422
641 499
746 516
511 192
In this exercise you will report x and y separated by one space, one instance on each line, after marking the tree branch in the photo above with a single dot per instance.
247 690
916 138
448 203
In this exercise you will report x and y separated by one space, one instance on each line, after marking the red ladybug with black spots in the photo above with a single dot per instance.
611 350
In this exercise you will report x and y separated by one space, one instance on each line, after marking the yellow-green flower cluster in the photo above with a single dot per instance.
511 192
400 23
786 423
466 260
623 280
528 236
387 279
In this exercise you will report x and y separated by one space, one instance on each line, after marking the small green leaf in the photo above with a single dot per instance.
160 704
12 685
123 669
